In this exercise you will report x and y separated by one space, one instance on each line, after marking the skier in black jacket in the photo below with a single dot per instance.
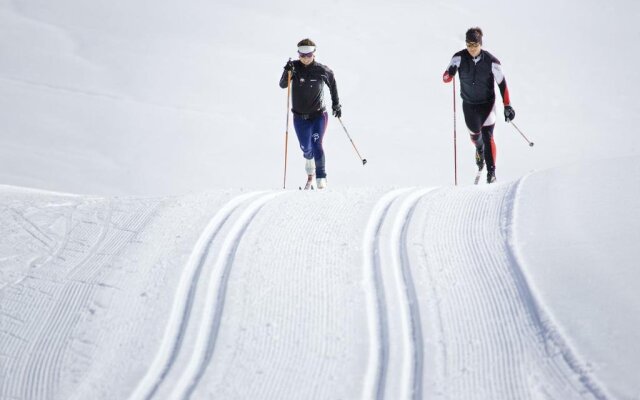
309 113
478 69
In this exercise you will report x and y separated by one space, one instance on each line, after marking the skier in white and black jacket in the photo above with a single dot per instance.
309 114
478 69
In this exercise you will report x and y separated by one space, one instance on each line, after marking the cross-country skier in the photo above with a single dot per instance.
309 113
478 69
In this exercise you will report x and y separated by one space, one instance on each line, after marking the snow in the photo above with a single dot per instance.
591 232
147 249
515 290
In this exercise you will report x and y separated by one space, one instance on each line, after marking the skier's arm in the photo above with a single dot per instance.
333 89
284 80
496 68
451 70
509 112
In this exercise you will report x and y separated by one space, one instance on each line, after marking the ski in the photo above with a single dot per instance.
477 179
309 184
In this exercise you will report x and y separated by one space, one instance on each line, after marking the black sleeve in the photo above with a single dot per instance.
333 87
284 79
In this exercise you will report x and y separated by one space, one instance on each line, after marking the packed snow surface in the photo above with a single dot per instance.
517 290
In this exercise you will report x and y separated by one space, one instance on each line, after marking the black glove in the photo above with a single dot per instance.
289 66
337 110
509 113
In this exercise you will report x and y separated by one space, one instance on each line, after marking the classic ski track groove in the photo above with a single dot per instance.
390 345
214 303
375 378
265 332
412 343
184 299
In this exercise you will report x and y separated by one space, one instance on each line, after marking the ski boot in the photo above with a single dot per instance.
322 183
491 176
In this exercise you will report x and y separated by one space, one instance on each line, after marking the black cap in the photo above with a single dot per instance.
474 35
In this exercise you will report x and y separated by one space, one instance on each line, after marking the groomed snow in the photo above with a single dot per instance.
515 290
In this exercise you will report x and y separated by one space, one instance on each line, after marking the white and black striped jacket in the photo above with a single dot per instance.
477 76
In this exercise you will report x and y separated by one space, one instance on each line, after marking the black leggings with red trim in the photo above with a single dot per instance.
475 116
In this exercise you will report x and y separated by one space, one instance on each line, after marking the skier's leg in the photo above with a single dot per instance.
304 131
487 138
476 139
310 167
489 148
473 118
319 129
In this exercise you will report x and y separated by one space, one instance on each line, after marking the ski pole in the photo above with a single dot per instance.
364 160
525 138
286 132
455 139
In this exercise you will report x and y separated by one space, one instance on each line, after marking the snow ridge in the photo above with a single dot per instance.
394 315
184 299
412 343
216 290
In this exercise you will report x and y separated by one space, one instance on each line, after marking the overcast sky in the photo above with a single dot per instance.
166 97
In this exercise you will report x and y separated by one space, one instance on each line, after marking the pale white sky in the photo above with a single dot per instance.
180 97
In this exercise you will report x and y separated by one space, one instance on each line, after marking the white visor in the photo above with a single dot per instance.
306 49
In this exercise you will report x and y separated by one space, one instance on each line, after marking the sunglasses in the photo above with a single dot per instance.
307 55
473 44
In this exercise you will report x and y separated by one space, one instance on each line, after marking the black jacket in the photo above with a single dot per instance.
477 77
307 87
